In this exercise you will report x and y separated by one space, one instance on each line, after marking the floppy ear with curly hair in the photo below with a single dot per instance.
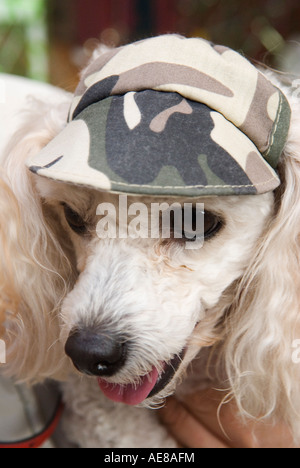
264 318
31 255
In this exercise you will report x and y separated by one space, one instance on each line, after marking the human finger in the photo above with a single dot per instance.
186 429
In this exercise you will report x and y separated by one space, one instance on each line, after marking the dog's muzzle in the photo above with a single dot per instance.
102 354
97 354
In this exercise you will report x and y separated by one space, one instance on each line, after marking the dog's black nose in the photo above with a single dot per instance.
95 353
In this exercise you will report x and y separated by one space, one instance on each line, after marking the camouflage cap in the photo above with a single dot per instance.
171 116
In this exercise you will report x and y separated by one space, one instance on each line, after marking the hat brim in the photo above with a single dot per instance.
155 143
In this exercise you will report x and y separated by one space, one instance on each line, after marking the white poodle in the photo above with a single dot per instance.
119 320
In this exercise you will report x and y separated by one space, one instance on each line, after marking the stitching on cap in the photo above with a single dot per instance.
193 186
181 187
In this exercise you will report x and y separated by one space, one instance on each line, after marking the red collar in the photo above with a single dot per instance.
37 440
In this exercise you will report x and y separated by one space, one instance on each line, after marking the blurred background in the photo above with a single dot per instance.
51 40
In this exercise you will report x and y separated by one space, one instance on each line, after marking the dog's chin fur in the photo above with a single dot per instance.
238 296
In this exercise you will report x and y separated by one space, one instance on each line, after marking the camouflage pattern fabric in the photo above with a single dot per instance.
171 116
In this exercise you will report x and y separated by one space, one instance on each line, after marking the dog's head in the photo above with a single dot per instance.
142 307
107 291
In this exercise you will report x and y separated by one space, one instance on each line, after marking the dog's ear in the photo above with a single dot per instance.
9 215
33 266
265 317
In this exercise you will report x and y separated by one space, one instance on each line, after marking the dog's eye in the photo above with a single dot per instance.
212 224
195 225
74 220
203 224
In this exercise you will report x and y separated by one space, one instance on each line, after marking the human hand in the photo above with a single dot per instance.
196 423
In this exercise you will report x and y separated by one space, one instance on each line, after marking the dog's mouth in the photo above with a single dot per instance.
149 385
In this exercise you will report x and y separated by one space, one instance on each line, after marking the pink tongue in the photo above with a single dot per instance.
130 394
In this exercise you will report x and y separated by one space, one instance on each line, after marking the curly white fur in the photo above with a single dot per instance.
239 295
